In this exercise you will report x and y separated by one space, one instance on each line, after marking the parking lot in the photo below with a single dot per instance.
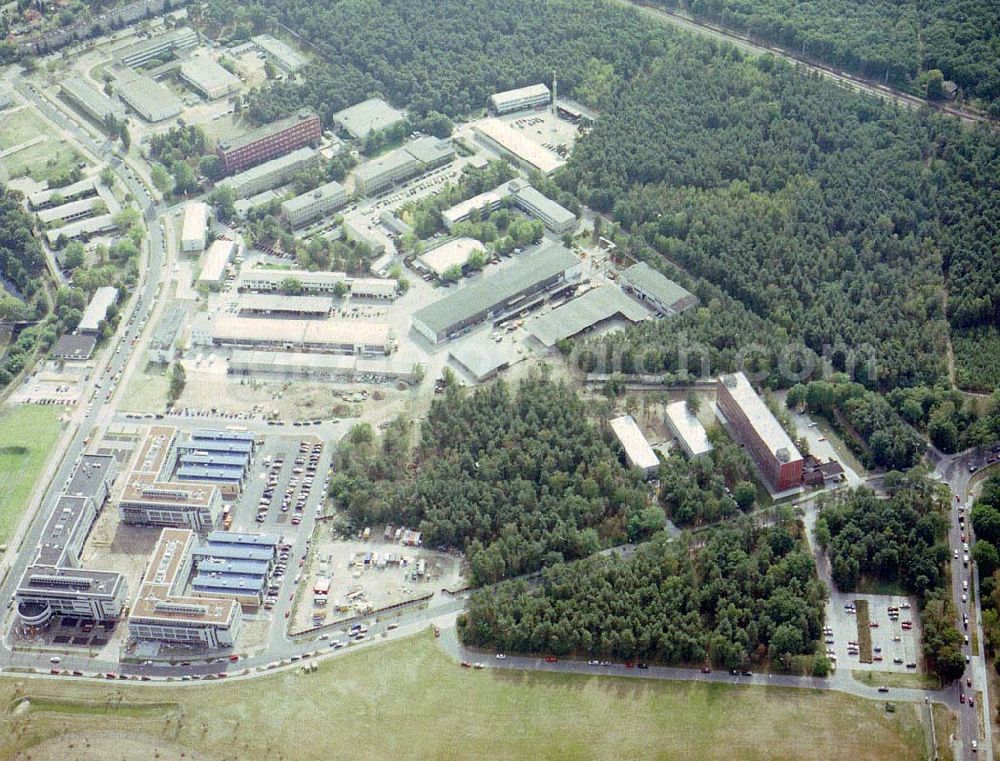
894 643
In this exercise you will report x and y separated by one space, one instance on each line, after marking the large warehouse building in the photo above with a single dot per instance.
749 420
368 116
208 77
148 98
314 204
585 312
269 141
272 281
328 336
638 453
513 145
271 173
271 303
520 99
214 262
656 289
501 292
55 584
163 613
90 101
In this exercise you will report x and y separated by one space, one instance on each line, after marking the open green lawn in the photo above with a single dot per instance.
48 158
146 391
910 680
408 700
27 434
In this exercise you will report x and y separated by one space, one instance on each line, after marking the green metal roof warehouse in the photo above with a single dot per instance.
489 297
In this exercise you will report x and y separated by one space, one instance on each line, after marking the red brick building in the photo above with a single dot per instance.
759 431
269 141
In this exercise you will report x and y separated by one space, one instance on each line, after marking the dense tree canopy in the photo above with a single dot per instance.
747 594
517 478
878 38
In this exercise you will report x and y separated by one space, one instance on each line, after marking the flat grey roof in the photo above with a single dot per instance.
545 206
91 476
575 316
52 579
83 91
154 43
207 74
505 99
497 288
88 226
233 552
368 116
266 302
97 309
269 167
387 162
761 418
633 441
168 327
233 143
427 150
657 285
688 429
242 539
332 189
288 58
151 99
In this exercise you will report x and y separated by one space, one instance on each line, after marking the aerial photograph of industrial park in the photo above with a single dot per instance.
499 379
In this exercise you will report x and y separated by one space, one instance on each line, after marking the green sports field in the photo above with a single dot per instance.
408 700
27 434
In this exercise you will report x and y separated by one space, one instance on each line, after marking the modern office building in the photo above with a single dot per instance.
514 145
283 56
520 99
555 217
659 291
148 98
214 263
687 429
143 51
155 503
638 453
194 227
749 420
97 310
419 156
272 281
90 101
208 77
269 141
162 612
314 204
596 306
516 193
271 173
384 172
235 565
371 115
327 336
56 584
302 306
512 288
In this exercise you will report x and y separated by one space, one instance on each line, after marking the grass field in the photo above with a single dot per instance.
146 391
945 726
43 160
408 700
864 631
897 679
27 434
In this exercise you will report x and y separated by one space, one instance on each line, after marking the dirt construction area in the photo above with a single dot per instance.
368 575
